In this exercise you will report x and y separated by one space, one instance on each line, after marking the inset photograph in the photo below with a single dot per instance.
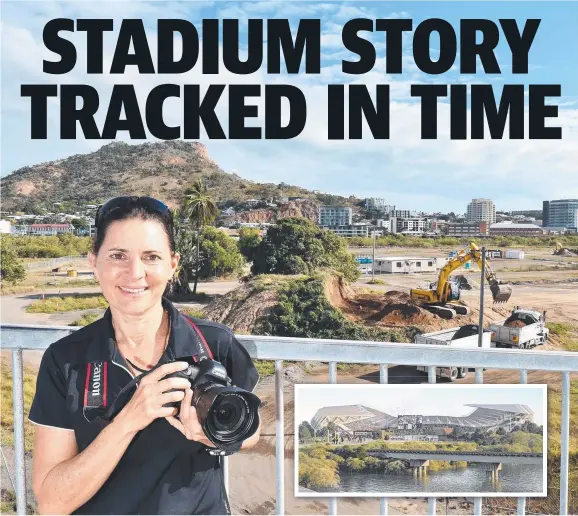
417 440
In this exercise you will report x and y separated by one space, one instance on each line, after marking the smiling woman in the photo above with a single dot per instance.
96 417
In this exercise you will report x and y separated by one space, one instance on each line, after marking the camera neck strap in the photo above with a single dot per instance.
203 349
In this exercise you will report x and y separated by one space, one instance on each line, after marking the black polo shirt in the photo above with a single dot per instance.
161 472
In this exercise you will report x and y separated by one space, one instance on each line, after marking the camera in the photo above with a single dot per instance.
227 414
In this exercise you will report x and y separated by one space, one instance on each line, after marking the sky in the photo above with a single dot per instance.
422 400
436 175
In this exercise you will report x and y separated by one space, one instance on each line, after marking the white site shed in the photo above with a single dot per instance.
514 254
404 265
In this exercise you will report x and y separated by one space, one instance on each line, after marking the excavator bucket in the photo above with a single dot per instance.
501 293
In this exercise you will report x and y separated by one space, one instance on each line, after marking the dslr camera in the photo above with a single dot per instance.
227 414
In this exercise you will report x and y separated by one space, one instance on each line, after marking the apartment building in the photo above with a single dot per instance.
335 216
481 210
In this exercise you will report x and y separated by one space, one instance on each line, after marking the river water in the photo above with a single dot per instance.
512 479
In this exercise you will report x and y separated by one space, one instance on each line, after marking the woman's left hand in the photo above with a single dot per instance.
188 423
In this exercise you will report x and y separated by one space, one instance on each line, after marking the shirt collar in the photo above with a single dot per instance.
182 340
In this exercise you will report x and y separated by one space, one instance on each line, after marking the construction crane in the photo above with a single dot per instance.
436 298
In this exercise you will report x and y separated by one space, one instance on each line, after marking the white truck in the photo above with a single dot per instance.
523 329
460 337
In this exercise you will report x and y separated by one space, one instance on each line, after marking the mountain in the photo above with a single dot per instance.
161 169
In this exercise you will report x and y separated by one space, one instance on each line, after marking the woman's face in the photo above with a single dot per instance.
134 265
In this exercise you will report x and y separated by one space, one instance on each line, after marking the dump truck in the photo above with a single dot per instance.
464 337
523 329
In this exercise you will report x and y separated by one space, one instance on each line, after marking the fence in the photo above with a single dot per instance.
279 349
52 262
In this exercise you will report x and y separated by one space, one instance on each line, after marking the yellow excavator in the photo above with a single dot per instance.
437 297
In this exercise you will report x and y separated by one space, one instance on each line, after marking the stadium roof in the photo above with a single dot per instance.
517 409
360 417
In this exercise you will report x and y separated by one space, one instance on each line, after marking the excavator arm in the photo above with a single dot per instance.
500 293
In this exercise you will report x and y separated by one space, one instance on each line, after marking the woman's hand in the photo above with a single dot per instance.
146 405
188 422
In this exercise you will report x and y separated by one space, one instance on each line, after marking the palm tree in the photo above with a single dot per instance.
201 210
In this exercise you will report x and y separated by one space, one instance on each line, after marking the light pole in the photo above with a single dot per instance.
482 285
373 258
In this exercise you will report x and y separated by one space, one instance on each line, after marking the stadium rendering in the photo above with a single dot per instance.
350 419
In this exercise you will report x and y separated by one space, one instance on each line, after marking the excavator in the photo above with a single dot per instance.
436 298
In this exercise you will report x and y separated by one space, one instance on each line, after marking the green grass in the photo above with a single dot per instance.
86 319
55 304
7 413
192 312
566 333
265 367
376 282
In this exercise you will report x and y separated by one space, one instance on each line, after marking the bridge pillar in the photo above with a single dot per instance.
419 467
492 470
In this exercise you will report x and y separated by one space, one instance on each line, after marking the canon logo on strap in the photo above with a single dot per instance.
95 394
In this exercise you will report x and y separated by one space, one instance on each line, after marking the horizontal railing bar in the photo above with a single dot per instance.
328 350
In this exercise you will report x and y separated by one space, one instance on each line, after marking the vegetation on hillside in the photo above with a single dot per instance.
162 169
298 246
303 310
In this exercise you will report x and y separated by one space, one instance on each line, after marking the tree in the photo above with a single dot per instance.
184 245
200 209
305 431
501 431
298 246
11 270
213 253
219 254
249 240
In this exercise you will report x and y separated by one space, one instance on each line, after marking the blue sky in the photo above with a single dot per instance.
425 400
440 175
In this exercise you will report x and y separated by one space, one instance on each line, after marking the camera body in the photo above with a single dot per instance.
228 414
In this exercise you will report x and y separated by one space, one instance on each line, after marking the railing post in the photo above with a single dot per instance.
522 501
279 437
431 378
18 403
478 499
332 505
478 506
565 443
383 378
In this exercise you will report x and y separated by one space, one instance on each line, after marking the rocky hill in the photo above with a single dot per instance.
162 169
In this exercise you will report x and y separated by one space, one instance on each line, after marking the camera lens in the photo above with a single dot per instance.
228 414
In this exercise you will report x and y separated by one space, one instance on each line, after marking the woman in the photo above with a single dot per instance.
144 459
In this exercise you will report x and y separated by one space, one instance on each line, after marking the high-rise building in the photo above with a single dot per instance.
561 213
481 210
335 216
373 203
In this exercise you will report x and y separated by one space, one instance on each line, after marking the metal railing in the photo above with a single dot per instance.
19 337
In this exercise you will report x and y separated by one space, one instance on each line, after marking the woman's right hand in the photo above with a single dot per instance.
146 404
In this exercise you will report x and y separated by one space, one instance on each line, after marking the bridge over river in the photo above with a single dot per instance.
492 461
